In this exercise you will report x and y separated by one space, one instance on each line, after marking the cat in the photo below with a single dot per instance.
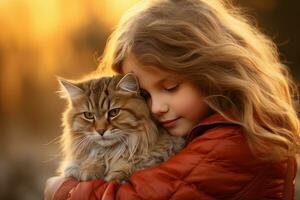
108 130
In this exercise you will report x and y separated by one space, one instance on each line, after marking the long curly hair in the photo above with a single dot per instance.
213 44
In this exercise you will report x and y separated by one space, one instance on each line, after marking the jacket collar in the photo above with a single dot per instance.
209 122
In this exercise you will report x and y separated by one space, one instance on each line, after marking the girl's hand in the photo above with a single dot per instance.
52 185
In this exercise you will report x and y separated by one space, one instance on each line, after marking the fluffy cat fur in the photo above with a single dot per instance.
108 130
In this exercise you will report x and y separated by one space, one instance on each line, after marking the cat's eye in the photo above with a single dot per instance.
113 112
89 115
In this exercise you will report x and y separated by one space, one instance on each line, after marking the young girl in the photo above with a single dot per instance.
210 76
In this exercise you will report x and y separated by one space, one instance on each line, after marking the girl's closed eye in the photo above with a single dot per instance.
172 88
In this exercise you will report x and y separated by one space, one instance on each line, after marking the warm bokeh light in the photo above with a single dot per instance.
37 39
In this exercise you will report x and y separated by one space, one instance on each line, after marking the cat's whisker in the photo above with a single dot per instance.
78 131
55 140
84 142
134 147
54 157
78 137
78 142
123 139
80 145
132 141
88 144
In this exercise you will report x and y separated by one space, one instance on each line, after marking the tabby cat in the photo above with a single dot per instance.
108 130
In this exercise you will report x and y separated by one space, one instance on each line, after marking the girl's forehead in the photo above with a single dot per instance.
130 64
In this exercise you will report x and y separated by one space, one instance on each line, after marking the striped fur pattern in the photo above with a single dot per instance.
108 130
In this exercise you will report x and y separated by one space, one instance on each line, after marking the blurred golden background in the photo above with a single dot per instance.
41 39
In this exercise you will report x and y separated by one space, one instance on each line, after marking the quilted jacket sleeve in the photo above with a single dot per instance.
215 165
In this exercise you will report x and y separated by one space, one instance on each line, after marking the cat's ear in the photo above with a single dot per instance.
69 89
129 83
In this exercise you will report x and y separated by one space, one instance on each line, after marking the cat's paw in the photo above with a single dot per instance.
86 175
119 176
71 169
89 172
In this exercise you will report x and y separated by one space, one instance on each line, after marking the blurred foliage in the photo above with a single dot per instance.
41 39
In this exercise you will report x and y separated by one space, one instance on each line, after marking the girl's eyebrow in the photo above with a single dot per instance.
164 80
161 81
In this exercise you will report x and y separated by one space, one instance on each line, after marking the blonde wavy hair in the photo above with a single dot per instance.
214 45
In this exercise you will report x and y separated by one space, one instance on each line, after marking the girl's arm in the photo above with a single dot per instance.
217 165
161 182
54 183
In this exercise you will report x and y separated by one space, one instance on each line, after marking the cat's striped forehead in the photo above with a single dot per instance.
101 94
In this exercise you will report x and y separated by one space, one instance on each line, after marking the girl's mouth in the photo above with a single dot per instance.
170 123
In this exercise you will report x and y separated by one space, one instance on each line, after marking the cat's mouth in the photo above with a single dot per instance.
107 143
106 139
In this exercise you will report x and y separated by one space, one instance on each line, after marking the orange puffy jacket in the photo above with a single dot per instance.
216 164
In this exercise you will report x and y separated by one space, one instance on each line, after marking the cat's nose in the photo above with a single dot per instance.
101 131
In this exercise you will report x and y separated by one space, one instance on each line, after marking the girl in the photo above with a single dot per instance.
210 76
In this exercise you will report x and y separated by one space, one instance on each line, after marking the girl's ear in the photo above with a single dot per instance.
69 89
129 83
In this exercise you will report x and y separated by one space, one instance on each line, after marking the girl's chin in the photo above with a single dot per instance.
181 129
178 132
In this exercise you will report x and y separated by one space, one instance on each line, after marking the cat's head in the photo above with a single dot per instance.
107 111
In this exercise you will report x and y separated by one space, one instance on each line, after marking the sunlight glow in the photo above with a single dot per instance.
39 39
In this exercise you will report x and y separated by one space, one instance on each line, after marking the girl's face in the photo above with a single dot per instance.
176 103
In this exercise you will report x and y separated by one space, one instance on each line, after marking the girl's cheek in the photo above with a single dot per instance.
193 108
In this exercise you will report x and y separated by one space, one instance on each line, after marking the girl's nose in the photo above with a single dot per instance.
158 107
